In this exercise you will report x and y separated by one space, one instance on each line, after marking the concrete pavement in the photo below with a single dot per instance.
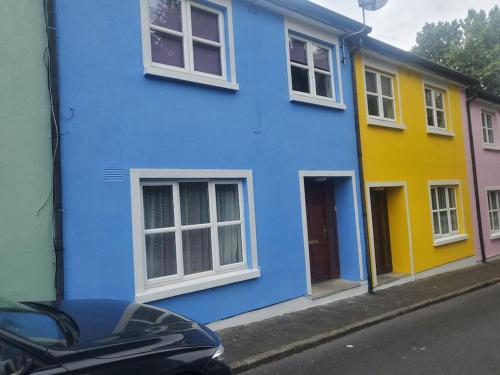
459 336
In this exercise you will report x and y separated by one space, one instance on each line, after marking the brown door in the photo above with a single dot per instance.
322 230
381 232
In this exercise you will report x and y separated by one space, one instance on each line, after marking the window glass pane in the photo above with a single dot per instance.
430 117
300 79
435 217
371 82
158 207
388 108
428 98
441 192
321 58
443 219
451 198
373 109
228 202
434 199
194 203
439 99
485 135
197 250
160 255
491 136
440 119
492 200
166 13
323 85
167 49
386 83
207 58
496 221
298 51
230 249
205 24
454 220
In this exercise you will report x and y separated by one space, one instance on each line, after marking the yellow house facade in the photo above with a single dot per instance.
413 150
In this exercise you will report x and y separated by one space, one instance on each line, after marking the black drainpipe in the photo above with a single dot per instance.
353 51
471 96
53 86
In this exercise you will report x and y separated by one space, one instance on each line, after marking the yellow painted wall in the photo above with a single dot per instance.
413 156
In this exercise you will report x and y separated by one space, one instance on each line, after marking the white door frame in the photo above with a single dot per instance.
389 184
328 174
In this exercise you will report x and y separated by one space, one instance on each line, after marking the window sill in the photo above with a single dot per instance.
491 147
495 236
190 77
294 97
194 285
386 124
450 239
445 133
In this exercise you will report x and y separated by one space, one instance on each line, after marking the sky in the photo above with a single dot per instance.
399 21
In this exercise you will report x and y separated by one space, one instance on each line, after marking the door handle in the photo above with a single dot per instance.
313 242
325 231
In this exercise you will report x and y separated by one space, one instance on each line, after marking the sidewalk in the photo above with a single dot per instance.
262 342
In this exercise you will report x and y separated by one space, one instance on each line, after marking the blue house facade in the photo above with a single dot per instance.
209 153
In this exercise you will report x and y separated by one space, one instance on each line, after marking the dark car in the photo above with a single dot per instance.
104 337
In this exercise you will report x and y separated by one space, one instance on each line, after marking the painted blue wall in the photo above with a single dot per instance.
113 117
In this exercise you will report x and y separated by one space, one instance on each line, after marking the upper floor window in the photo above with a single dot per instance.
488 128
444 210
435 108
494 210
185 39
380 95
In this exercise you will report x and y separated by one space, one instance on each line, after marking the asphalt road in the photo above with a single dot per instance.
460 336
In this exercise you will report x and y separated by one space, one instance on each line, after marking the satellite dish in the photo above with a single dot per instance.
372 5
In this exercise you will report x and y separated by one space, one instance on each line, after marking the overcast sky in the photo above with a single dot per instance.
400 20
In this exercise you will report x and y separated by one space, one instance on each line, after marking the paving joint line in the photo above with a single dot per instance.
305 344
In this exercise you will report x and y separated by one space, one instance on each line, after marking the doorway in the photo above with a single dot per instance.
322 229
381 231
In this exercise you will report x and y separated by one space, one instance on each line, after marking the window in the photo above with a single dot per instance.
488 129
435 109
380 95
444 210
494 210
185 39
192 227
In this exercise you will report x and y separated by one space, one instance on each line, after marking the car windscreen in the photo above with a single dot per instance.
31 324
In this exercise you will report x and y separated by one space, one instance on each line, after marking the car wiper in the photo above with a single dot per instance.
66 323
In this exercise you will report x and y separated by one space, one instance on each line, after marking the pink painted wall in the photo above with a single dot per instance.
488 171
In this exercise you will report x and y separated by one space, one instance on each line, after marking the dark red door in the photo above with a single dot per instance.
381 231
322 231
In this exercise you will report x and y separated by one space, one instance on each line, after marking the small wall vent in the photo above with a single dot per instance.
113 175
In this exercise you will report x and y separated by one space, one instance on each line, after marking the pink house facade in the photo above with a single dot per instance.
483 112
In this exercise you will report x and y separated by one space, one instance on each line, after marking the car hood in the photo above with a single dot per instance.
106 328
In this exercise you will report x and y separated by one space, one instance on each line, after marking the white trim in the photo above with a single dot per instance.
387 184
305 235
444 132
149 290
386 124
495 235
187 73
448 267
294 305
380 95
491 147
450 239
485 111
314 36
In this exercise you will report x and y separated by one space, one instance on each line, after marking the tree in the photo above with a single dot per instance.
470 45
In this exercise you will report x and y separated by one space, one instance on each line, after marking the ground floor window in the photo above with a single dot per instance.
192 227
444 210
494 210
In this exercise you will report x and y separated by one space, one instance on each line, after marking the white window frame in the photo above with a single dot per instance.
312 36
153 289
435 109
188 73
454 235
484 117
380 96
495 191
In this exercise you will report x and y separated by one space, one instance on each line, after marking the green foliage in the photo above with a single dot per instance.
470 45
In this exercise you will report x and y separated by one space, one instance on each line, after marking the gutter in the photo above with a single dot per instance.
53 87
471 96
353 51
